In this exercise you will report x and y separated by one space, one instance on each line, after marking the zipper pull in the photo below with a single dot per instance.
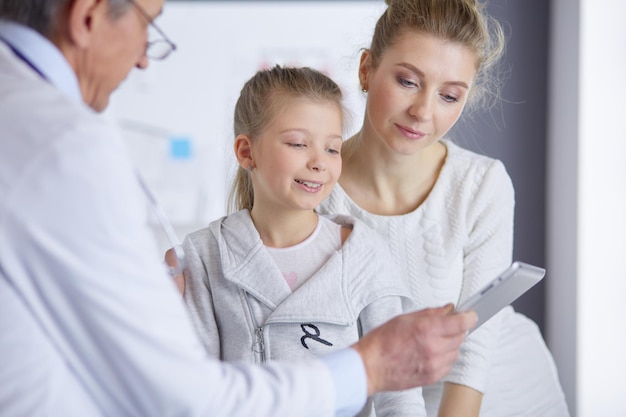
259 345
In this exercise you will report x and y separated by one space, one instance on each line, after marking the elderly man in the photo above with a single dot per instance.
91 324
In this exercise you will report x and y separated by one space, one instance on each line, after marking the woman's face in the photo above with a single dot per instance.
417 92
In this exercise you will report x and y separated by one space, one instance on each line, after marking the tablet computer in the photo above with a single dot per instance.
502 291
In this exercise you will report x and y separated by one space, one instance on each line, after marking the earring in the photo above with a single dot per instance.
250 168
364 90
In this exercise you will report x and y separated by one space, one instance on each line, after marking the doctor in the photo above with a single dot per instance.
91 324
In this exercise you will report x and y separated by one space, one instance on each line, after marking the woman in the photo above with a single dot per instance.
447 213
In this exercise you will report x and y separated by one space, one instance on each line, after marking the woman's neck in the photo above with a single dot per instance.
385 182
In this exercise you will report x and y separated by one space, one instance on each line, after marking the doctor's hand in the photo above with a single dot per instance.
172 262
414 349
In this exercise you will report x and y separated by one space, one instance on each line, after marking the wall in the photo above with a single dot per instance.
562 208
586 203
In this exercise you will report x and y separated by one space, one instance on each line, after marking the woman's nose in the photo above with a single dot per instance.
421 107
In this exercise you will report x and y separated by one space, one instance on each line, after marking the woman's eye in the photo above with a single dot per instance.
406 83
449 98
296 145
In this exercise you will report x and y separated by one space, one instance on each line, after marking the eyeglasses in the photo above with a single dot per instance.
167 228
159 48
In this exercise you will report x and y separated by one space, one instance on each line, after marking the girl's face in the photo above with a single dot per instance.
417 92
298 155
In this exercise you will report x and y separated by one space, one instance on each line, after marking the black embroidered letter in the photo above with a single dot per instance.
315 336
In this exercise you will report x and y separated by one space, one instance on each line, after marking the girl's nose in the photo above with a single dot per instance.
316 162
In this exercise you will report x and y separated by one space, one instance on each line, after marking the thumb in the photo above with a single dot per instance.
447 309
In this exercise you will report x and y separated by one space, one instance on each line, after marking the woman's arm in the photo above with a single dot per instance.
459 401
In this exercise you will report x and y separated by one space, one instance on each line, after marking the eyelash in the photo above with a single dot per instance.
448 98
406 83
302 145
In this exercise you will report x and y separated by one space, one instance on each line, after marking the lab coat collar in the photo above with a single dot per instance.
42 55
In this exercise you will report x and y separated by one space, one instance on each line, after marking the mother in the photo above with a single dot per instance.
447 212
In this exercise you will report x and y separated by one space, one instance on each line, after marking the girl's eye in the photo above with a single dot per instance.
333 151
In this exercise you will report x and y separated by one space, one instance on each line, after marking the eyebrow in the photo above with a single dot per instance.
286 131
421 74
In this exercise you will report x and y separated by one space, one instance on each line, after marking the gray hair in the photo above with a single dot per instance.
42 15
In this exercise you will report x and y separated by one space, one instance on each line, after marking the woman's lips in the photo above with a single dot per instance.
410 133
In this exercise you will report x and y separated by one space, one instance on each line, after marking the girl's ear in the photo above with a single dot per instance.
364 69
243 152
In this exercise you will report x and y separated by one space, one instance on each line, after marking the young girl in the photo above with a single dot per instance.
275 280
446 212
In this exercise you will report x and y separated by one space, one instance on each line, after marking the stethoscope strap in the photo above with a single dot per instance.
23 58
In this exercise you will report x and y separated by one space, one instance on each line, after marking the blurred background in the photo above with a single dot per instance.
557 128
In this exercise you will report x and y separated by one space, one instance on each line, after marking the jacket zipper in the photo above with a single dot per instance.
259 345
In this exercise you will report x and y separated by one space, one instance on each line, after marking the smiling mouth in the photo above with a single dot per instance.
309 184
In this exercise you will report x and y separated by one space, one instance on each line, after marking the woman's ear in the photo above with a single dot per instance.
365 66
243 152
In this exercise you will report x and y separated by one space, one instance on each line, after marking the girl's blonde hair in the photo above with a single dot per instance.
462 21
259 101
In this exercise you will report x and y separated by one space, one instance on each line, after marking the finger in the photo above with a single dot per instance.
448 308
443 310
170 258
452 343
470 318
458 323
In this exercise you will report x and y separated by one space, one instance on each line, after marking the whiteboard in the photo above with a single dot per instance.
176 116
